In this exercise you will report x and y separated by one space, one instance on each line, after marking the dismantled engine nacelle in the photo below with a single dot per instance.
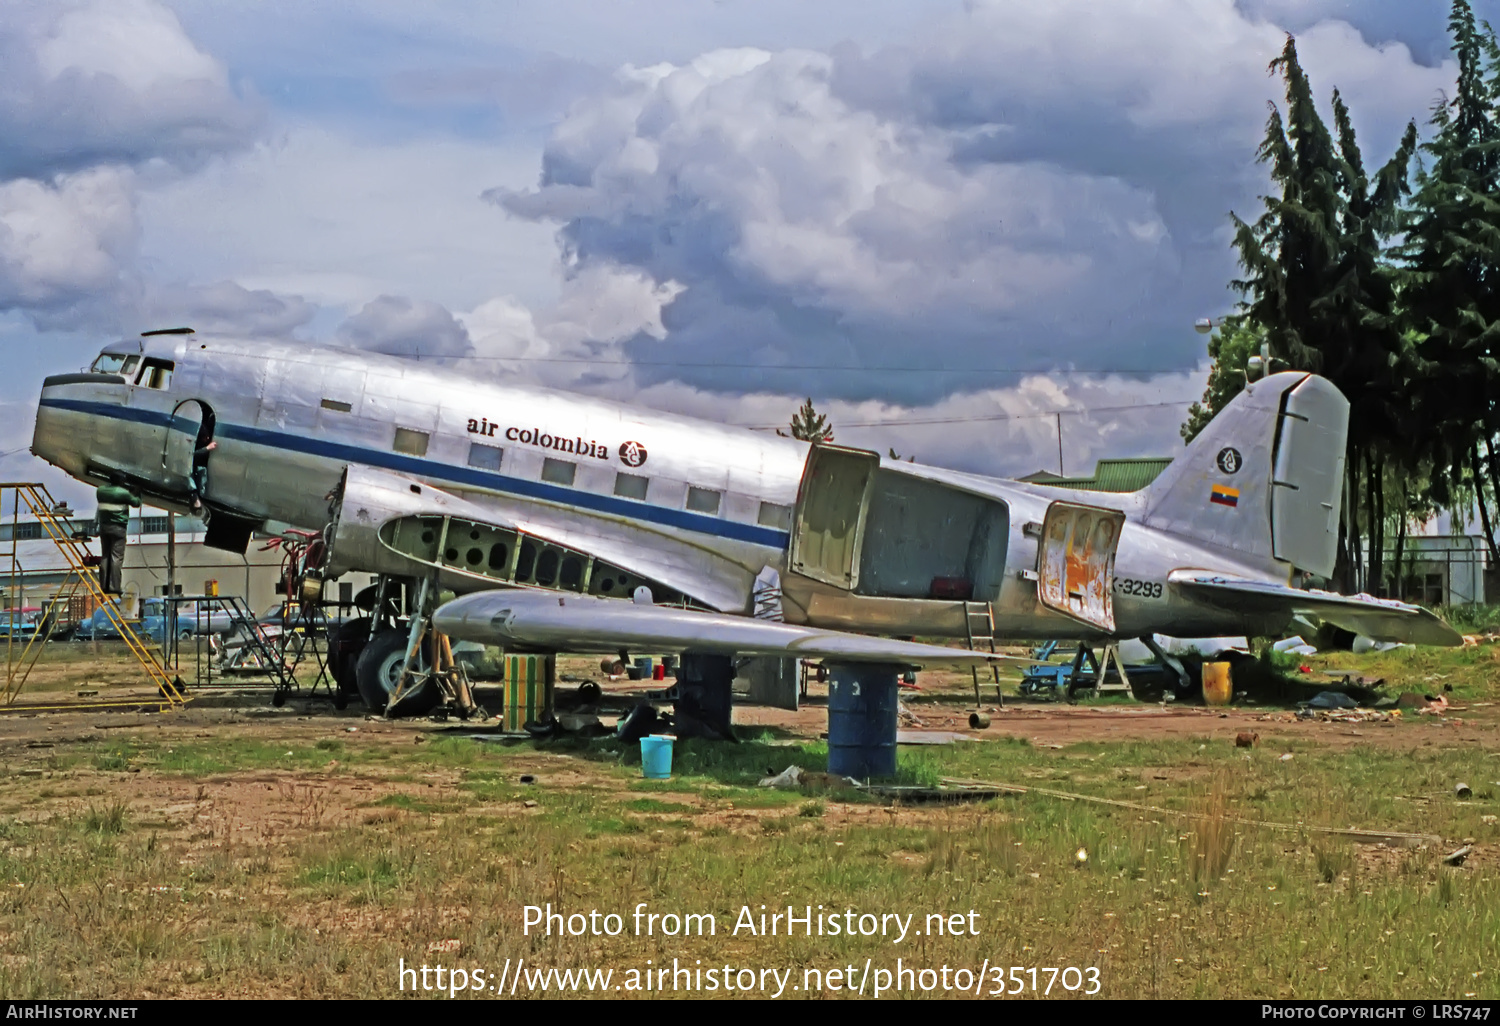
384 523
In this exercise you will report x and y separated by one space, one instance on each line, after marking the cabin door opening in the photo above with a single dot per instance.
185 452
829 522
1076 562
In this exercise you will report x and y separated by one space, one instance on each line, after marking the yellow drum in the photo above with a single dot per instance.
1217 689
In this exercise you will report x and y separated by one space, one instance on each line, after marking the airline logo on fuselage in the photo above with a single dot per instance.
632 453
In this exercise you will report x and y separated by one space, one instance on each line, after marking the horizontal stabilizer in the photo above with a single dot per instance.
546 621
1380 619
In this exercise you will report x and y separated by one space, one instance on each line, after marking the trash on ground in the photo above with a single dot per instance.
1456 858
1330 700
1462 790
1363 644
1294 645
795 777
930 737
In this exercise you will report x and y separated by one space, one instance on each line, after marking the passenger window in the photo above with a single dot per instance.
413 443
558 471
336 406
703 500
631 486
485 457
156 373
775 515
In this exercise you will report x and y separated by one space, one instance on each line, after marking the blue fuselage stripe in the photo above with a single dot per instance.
432 470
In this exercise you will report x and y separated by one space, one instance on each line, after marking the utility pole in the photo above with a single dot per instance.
1059 445
169 607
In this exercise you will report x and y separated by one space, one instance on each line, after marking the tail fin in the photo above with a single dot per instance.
1264 478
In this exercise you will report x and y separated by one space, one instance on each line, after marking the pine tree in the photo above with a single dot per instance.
1451 292
1319 286
809 425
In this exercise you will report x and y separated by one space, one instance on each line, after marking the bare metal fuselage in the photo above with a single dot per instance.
720 503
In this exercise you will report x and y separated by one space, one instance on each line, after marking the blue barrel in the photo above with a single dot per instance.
862 721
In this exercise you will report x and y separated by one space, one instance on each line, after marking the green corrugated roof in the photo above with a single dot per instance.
1110 475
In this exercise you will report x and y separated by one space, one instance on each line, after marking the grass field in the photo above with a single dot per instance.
229 853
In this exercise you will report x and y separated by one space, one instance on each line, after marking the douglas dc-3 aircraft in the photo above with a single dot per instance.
542 509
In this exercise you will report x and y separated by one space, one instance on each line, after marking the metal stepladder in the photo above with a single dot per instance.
58 528
979 626
249 651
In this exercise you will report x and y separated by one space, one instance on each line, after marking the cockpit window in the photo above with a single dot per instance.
155 373
109 363
129 368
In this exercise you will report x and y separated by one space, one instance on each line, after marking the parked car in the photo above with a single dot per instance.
98 627
201 616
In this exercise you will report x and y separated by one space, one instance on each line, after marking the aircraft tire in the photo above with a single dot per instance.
379 667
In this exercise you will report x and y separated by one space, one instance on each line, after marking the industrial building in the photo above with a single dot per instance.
159 548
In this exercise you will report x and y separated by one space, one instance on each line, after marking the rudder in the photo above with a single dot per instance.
1264 478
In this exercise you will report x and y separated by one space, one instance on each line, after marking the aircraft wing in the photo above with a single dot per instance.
1380 619
529 619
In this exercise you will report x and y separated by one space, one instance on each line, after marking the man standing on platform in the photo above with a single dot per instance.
113 502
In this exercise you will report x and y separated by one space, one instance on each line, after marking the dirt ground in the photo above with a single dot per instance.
268 803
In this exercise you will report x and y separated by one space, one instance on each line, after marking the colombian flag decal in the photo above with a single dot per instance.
1224 495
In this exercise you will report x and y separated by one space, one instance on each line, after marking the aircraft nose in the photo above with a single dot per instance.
66 413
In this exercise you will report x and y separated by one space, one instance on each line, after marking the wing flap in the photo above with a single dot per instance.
1380 619
582 624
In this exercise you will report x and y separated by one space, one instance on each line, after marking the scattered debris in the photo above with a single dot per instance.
1462 790
1456 858
1246 739
1294 645
528 778
582 723
785 780
1330 700
1286 758
1363 644
978 721
930 737
906 717
529 804
445 947
795 777
1081 856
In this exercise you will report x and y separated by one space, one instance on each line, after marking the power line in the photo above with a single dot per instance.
905 421
842 368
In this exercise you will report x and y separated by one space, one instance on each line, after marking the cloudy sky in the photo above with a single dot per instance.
941 220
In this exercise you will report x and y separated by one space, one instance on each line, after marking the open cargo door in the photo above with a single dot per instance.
832 504
1076 562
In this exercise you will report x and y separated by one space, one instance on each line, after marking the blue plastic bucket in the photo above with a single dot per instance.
656 757
862 721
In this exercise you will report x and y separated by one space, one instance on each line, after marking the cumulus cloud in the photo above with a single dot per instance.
575 341
1006 431
1025 186
89 93
228 308
109 82
65 243
399 326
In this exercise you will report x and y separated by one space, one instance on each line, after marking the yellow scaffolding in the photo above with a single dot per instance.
19 659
